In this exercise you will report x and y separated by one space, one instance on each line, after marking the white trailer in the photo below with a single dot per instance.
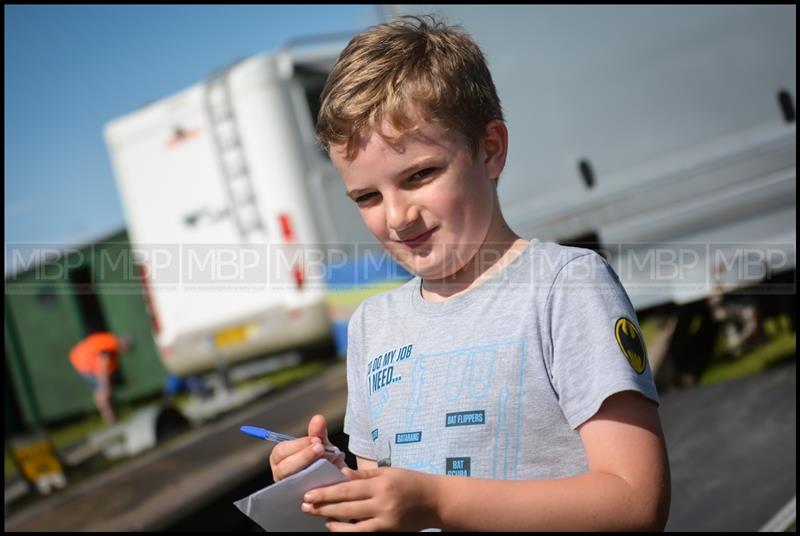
228 197
663 135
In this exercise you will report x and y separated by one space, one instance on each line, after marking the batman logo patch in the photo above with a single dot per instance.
631 343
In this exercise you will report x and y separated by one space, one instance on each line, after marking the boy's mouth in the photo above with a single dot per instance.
419 239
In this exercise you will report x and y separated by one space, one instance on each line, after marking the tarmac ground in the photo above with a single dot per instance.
733 451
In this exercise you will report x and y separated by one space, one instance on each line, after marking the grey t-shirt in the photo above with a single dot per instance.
493 383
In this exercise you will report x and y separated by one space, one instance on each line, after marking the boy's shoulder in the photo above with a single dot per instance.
556 256
542 262
552 262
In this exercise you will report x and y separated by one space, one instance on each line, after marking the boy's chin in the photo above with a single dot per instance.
432 263
429 271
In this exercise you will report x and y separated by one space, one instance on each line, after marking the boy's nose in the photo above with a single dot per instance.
400 213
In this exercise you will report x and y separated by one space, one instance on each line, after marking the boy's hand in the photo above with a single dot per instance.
289 457
385 498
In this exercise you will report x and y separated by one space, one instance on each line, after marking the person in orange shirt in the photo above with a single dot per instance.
96 359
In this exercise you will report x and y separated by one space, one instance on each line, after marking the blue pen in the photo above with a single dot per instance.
266 435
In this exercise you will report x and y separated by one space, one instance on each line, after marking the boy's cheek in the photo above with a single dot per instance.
376 226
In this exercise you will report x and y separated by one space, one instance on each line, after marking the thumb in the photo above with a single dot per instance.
318 427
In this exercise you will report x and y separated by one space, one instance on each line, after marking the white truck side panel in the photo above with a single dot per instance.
161 184
203 279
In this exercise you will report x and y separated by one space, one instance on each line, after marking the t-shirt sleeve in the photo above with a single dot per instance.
356 418
596 346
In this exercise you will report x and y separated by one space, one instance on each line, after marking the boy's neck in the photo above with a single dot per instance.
501 246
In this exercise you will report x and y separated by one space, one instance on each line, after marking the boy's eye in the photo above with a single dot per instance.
362 199
418 176
422 173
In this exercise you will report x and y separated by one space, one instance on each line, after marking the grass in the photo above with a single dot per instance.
282 378
351 297
781 348
650 329
10 467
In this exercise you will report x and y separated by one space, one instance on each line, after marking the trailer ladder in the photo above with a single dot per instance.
235 171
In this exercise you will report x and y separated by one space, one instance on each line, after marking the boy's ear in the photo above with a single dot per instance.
495 147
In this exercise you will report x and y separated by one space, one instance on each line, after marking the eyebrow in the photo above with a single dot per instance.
420 165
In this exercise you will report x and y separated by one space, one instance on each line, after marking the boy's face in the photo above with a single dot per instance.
423 195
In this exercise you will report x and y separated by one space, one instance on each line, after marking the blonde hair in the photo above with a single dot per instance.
414 61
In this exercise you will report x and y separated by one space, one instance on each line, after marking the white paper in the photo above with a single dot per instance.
277 507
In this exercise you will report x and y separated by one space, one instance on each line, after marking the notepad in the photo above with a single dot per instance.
277 506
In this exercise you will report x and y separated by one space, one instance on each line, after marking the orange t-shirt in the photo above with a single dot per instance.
85 356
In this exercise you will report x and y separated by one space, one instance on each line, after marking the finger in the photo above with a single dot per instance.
285 449
351 474
318 427
337 459
362 474
357 510
337 493
297 461
367 525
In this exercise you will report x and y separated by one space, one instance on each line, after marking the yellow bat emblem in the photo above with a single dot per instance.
631 343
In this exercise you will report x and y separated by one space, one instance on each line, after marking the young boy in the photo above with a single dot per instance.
506 387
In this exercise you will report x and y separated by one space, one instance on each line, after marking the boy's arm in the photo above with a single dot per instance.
626 488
